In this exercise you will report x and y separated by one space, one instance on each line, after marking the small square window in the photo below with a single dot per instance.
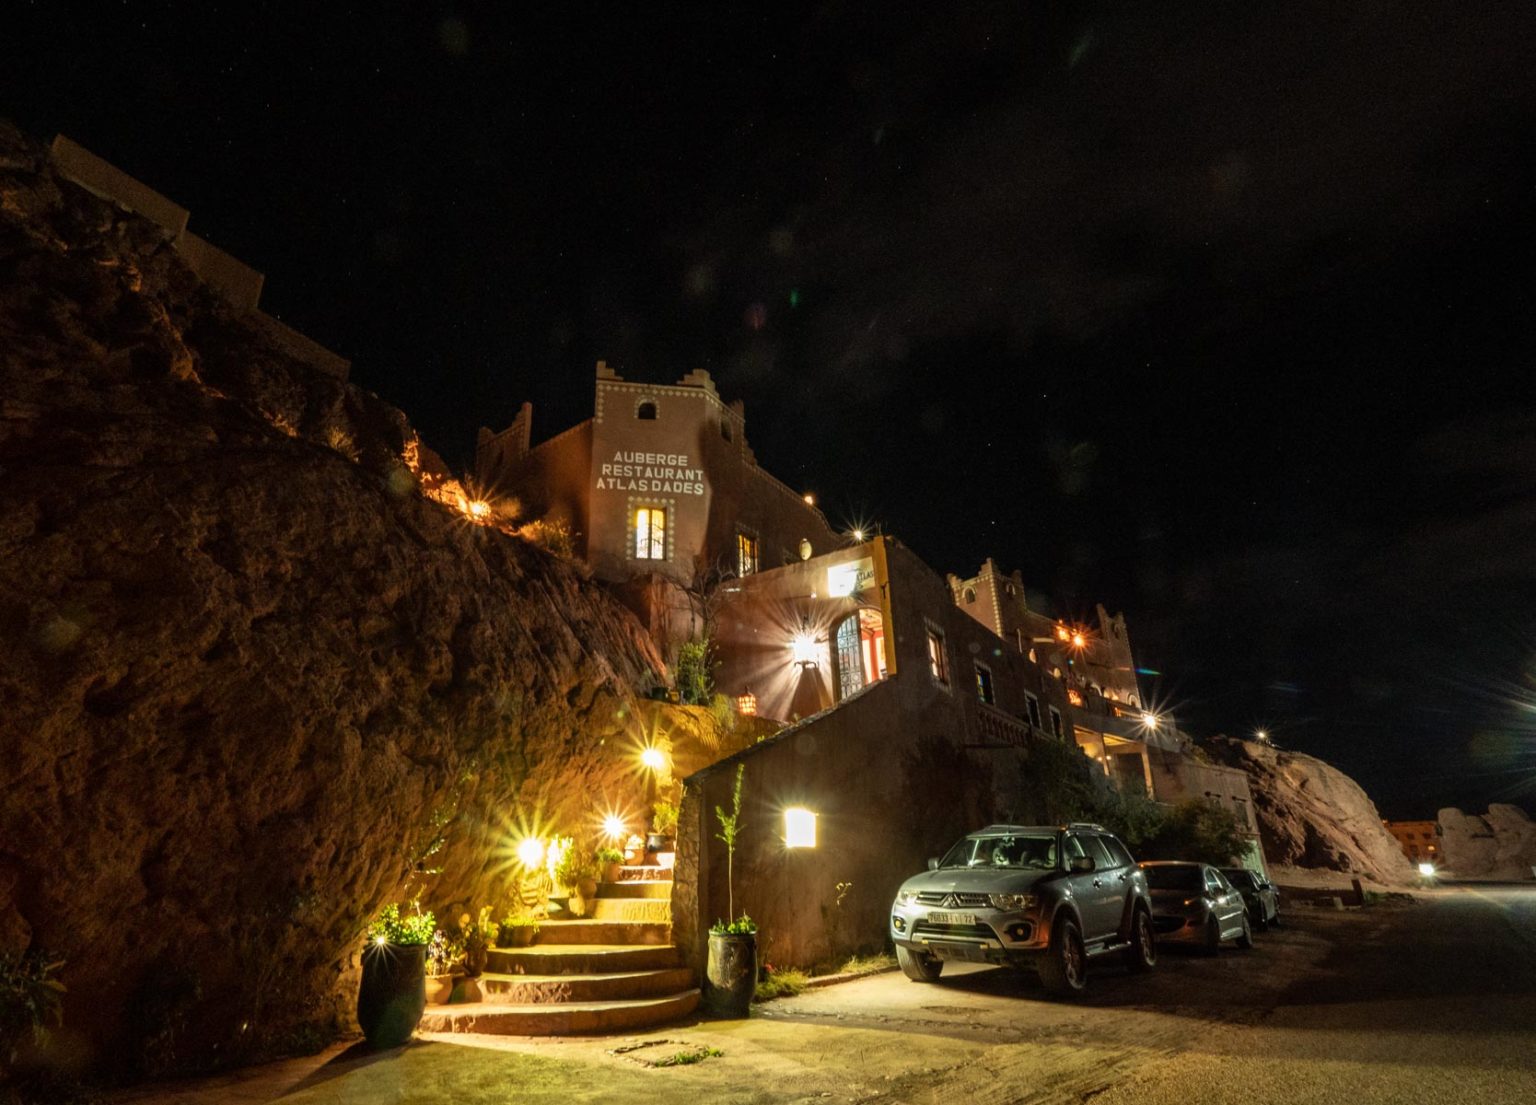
938 659
984 686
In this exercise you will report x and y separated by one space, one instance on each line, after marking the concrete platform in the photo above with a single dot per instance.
526 989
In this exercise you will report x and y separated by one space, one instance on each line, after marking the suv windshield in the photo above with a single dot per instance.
1243 880
1036 853
1174 878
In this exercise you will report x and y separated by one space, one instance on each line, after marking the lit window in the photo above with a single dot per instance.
1074 697
984 686
938 660
799 828
746 554
651 533
1034 709
1056 726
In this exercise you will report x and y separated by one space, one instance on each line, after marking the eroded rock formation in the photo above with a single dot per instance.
1311 814
1499 845
249 676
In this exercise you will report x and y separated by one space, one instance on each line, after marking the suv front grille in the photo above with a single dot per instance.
952 900
962 932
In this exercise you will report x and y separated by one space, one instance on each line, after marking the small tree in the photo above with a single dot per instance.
730 830
695 672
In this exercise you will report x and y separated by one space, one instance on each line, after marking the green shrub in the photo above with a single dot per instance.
694 676
390 927
29 1002
608 855
664 821
781 984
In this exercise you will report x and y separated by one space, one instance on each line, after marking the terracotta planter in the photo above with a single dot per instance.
439 989
730 980
518 936
613 872
393 993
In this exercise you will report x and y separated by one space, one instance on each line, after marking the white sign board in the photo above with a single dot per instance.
850 578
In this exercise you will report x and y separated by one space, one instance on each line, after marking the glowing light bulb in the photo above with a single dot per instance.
653 758
802 647
530 852
858 535
1426 869
1149 720
613 827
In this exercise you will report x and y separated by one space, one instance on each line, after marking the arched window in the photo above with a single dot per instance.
970 595
646 411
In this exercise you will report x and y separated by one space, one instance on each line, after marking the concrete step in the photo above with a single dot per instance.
594 931
655 911
502 989
644 873
580 959
635 888
559 1019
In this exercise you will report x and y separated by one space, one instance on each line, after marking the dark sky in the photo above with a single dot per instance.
1220 314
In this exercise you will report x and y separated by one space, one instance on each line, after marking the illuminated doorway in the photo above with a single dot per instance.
859 646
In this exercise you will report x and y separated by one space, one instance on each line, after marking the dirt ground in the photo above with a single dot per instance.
1433 1000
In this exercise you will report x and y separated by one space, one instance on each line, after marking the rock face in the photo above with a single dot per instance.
252 684
1311 814
1499 845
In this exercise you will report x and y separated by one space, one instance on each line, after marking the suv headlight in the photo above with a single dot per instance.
1011 901
906 897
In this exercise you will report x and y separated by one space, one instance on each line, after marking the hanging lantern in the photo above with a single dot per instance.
746 704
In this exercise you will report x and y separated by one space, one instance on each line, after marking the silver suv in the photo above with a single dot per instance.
1048 898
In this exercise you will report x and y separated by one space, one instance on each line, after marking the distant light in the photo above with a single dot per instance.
530 852
613 826
380 941
1062 634
477 508
858 535
653 758
1149 720
1262 734
1426 869
810 499
1078 641
1148 671
746 704
799 828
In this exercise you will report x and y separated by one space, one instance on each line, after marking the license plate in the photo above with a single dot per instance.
952 918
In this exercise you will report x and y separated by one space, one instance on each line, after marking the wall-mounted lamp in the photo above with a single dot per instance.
799 828
802 648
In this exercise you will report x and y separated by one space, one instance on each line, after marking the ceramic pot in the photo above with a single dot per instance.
393 993
730 979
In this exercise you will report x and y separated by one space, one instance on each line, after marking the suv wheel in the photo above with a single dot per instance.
1142 953
1064 970
919 967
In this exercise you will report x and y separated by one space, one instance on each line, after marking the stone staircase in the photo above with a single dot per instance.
613 971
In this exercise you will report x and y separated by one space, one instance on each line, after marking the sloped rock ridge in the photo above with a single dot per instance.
1311 814
252 684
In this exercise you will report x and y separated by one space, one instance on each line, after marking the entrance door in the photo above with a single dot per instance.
850 657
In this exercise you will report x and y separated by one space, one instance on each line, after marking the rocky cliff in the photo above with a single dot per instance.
253 684
1499 845
1312 815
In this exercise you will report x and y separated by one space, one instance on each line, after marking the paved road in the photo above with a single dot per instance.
1431 1002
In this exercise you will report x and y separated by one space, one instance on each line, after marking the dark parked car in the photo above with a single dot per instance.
1192 903
1043 897
1260 897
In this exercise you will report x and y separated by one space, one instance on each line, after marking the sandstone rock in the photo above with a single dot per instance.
1499 845
252 684
1311 814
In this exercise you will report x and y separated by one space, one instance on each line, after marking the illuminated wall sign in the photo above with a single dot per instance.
850 578
799 828
662 473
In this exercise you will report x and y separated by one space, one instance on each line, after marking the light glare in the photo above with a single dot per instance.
799 828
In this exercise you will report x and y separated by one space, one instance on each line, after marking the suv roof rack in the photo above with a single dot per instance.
1086 825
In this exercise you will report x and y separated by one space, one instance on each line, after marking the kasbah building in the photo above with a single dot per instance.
912 703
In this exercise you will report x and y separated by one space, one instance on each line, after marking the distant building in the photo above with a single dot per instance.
659 483
1419 840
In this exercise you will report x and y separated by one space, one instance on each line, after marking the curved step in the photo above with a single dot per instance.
580 959
651 911
635 888
591 931
502 989
559 1020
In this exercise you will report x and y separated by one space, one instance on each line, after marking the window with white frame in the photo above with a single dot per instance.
650 533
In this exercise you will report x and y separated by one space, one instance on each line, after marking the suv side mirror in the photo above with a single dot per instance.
1081 865
933 863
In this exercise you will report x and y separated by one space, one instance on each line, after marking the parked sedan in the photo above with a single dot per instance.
1259 896
1192 903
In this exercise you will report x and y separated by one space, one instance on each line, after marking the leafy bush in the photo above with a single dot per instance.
414 928
664 821
29 1001
552 537
781 984
694 677
523 919
608 855
742 926
574 865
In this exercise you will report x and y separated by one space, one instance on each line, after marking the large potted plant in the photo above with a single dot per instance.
577 871
518 930
611 863
730 978
394 991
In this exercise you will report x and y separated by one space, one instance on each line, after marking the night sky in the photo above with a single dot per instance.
1219 314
